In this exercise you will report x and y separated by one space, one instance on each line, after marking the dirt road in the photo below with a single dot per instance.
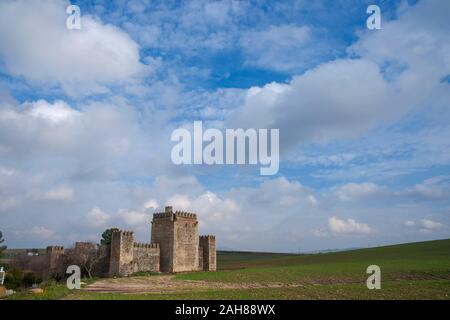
168 284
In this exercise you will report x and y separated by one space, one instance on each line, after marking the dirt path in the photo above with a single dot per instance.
168 284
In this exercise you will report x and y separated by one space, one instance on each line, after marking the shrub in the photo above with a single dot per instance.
30 278
13 278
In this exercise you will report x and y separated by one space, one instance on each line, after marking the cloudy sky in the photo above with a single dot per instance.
364 117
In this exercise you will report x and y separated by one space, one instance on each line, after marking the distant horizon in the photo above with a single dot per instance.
329 250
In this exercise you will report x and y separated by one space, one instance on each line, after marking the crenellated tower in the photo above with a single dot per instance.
128 257
207 247
177 235
121 258
54 254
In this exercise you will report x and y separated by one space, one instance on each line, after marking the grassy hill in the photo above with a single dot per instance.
408 271
413 270
420 258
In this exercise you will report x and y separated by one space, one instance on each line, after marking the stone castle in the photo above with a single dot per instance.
175 247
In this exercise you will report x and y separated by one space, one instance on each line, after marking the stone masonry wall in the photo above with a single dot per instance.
177 236
163 234
200 258
186 242
121 260
146 257
54 253
85 246
128 257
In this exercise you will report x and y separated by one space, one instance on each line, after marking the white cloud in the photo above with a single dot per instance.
424 52
436 188
431 225
39 47
58 112
97 217
312 199
349 226
134 217
410 223
385 153
277 47
8 202
326 160
307 112
323 105
212 209
151 204
179 184
432 189
59 194
45 128
355 191
7 172
40 232
320 233
279 193
180 201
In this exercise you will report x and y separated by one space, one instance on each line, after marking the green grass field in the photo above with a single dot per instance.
408 271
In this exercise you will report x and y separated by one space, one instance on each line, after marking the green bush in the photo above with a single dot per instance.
13 278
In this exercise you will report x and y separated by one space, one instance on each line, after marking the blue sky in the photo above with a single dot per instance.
86 117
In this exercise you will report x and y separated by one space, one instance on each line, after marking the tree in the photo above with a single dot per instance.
2 248
107 235
88 258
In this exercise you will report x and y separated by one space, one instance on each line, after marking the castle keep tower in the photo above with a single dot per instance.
177 235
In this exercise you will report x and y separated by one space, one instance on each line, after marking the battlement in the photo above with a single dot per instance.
161 215
145 245
184 214
124 233
168 213
54 254
85 246
208 236
55 249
